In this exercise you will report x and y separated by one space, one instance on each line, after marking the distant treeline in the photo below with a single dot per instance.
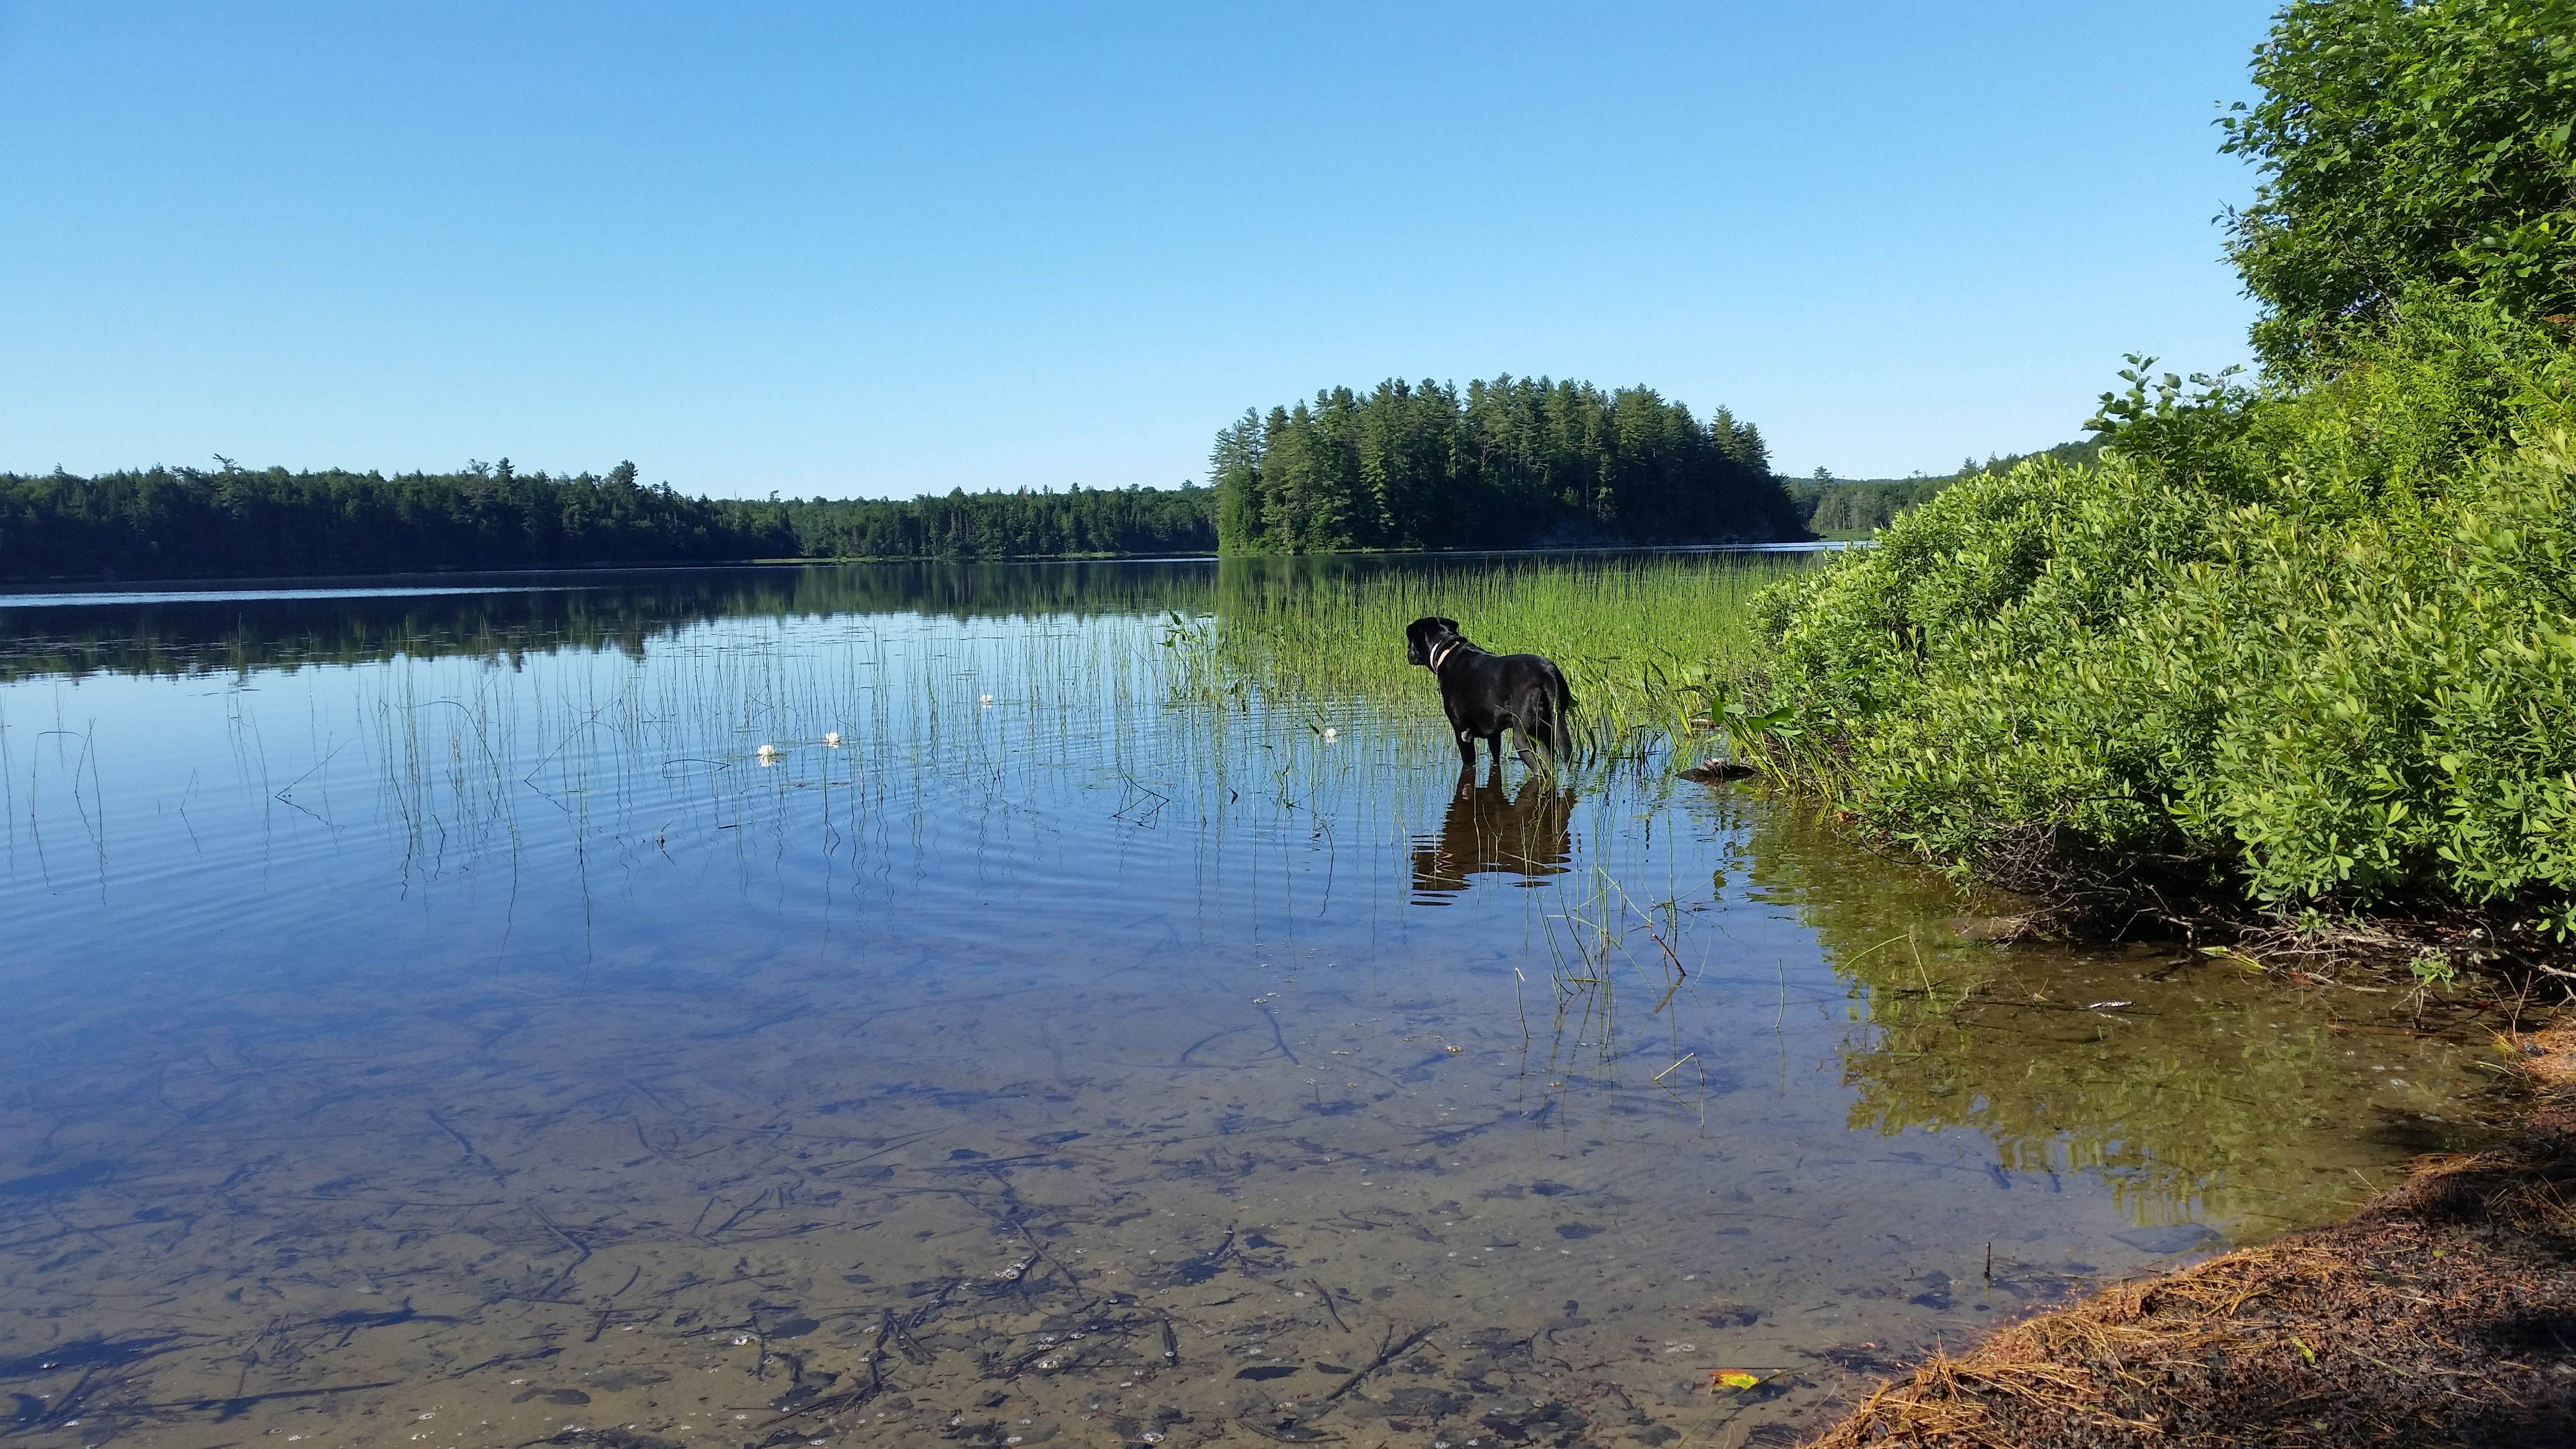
1514 462
1077 523
193 523
1842 507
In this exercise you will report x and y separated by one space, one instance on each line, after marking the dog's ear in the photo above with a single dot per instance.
1449 626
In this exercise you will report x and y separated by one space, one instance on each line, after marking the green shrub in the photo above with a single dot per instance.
2313 640
2317 645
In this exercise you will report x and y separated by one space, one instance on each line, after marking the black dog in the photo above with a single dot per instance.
1484 694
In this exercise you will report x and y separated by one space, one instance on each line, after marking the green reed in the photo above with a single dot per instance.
1650 647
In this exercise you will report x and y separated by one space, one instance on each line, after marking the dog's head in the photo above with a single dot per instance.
1424 635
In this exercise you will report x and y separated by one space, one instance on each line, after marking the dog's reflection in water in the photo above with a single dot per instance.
1526 833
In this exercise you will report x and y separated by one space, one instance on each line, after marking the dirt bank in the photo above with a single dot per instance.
2442 1314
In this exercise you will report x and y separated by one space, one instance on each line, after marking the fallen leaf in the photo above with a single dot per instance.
1736 1379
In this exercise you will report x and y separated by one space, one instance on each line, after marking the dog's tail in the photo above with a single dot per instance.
1560 730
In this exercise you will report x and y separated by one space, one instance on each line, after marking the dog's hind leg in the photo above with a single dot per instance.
1541 724
1518 722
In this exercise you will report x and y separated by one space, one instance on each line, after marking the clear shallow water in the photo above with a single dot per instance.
433 1020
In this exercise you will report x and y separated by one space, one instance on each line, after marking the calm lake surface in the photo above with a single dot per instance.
432 1018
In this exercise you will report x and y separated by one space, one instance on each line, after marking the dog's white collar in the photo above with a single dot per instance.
1443 652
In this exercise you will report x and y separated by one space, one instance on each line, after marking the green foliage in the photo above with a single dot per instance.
186 523
1509 463
2433 967
2405 142
2313 639
2319 643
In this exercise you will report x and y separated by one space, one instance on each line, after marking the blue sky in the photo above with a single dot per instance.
859 249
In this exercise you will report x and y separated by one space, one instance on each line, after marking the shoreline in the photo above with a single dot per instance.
2443 1311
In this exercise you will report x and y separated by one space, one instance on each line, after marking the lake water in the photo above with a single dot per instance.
432 1018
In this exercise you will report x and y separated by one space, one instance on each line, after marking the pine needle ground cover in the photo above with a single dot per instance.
2442 1314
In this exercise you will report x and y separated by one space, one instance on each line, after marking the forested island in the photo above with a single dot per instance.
1510 463
179 523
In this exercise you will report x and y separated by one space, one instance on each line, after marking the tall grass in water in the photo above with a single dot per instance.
1650 647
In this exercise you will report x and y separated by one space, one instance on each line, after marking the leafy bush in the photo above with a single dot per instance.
2319 644
2316 639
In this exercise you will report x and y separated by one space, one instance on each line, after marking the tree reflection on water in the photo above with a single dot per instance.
2199 1091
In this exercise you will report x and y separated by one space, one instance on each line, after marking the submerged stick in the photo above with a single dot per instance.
1280 1037
1384 1357
576 1244
1329 1306
855 1397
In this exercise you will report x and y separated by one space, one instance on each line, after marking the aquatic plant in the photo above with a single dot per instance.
1649 645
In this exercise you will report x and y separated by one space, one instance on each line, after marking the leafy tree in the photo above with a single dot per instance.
2407 142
